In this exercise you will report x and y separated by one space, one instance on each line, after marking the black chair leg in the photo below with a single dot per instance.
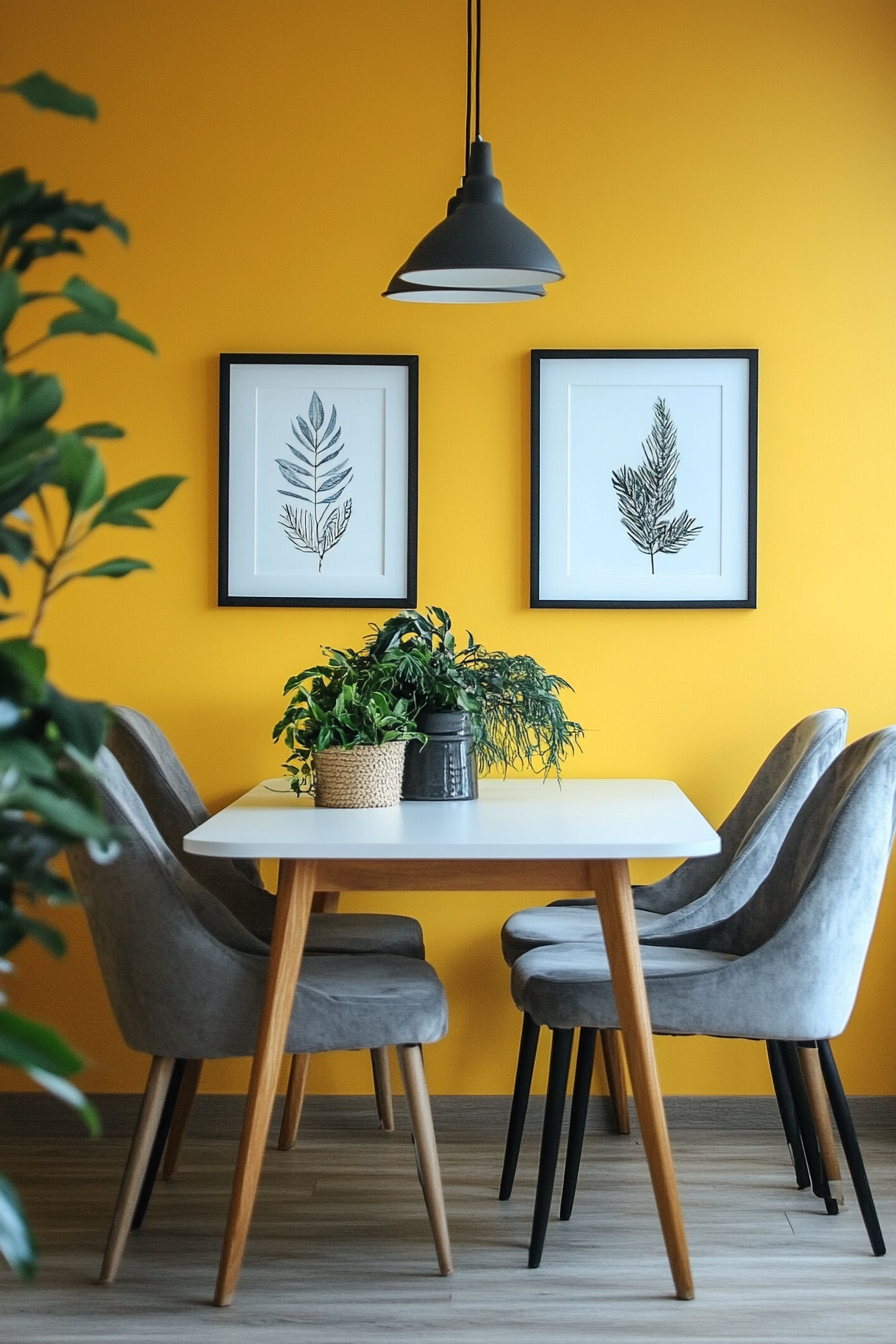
520 1104
851 1150
578 1115
158 1147
554 1106
806 1123
788 1114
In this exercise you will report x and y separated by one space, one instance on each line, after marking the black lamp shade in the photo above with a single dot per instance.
480 245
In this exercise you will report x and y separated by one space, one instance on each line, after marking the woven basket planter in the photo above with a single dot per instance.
359 776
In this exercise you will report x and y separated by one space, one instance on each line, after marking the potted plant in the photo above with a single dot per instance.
470 709
347 730
505 705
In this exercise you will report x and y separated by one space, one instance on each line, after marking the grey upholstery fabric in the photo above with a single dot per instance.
167 792
186 978
704 890
787 965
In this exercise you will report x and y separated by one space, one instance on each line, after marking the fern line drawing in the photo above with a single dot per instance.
320 477
645 493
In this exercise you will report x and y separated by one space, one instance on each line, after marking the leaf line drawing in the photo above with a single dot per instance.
645 493
320 481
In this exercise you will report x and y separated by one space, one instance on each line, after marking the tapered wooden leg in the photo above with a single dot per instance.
611 1047
806 1122
159 1143
294 892
294 1101
410 1058
188 1088
322 903
810 1068
612 889
144 1136
382 1087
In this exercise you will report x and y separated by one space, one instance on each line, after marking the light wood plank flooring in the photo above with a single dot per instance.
339 1251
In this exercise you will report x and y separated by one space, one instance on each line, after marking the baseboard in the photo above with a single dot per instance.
35 1114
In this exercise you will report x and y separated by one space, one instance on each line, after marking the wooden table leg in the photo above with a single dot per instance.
294 892
610 881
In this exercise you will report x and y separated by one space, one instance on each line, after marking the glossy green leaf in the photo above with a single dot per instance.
100 429
81 722
90 324
43 933
16 1243
24 665
27 402
71 1095
81 473
114 569
151 493
48 94
31 1045
10 298
89 298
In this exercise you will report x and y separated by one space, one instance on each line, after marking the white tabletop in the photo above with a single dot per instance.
511 819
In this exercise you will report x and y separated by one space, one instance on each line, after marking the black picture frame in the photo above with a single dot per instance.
737 436
246 449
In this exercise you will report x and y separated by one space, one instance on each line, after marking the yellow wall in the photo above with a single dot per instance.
710 172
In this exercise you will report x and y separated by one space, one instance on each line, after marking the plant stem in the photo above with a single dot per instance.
25 348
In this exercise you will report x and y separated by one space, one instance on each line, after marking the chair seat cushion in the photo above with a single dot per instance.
542 925
359 1003
569 984
392 935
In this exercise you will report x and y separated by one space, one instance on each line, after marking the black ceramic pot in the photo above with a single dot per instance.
445 769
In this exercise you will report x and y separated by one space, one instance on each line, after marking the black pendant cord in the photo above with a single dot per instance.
468 126
478 63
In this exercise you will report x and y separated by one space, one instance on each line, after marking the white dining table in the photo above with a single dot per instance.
519 835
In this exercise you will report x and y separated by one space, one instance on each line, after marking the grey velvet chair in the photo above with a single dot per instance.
186 980
168 794
700 891
784 968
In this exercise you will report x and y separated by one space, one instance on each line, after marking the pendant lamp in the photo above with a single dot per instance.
480 253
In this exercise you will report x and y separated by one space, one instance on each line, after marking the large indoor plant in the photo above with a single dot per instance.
53 496
412 667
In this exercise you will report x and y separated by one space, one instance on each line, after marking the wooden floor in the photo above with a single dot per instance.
340 1252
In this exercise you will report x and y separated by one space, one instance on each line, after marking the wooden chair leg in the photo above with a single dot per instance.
382 1087
188 1088
158 1146
807 1126
138 1158
818 1100
522 1086
295 1100
410 1058
614 1063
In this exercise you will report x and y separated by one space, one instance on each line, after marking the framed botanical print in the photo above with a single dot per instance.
644 478
318 481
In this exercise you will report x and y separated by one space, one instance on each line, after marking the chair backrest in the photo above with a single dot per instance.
179 968
803 936
168 793
706 889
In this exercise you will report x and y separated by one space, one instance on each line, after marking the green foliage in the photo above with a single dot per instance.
349 701
46 93
515 710
413 664
48 741
645 493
